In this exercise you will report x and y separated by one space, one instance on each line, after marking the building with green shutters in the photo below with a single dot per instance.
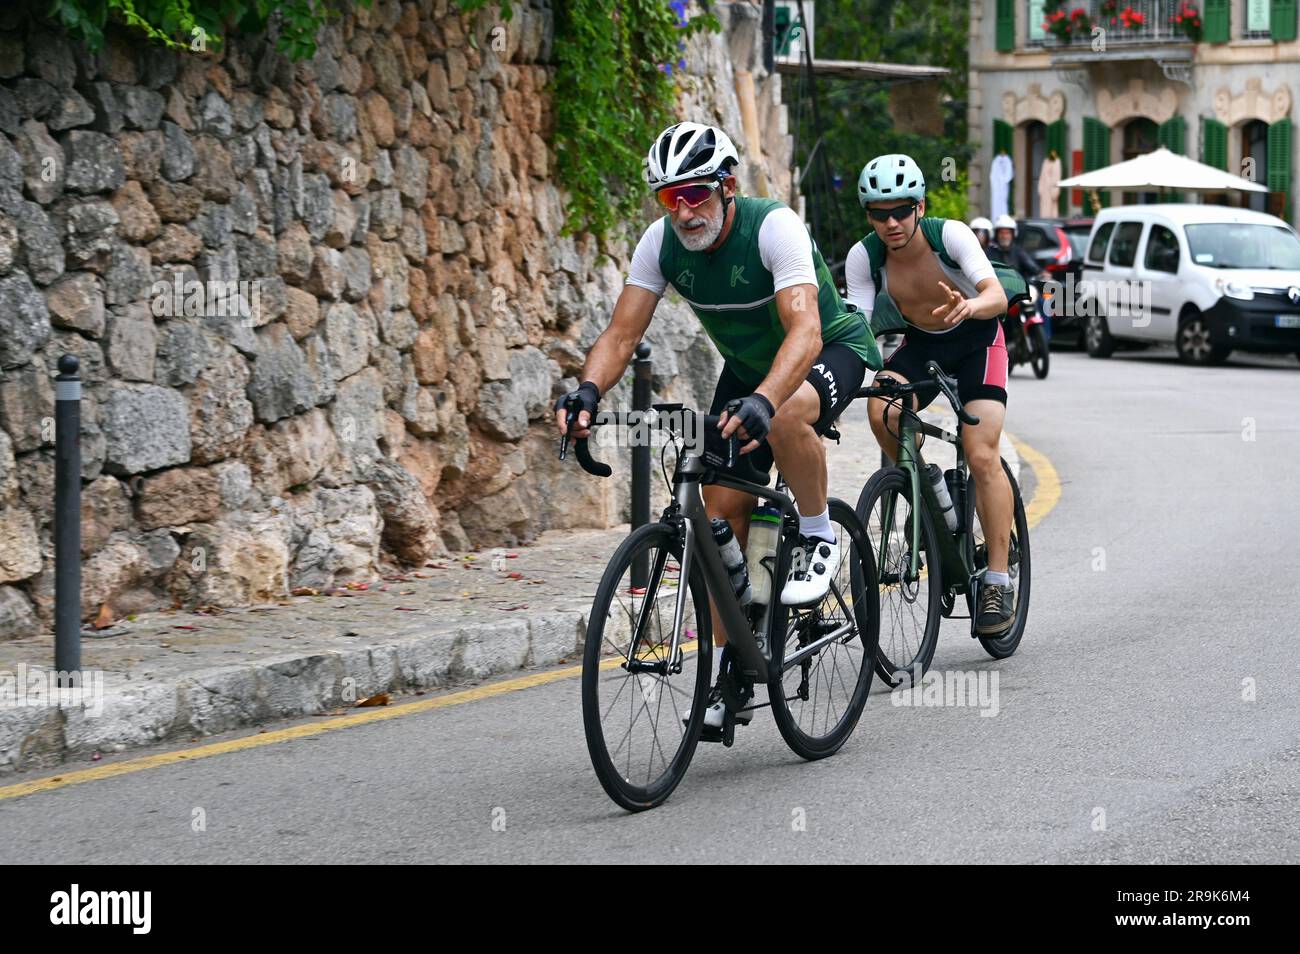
1101 81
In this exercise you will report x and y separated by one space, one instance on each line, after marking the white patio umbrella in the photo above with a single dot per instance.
1161 169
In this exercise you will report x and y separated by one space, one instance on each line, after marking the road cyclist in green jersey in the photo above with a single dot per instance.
794 355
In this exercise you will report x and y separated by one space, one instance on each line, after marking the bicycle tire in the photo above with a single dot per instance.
864 607
895 480
623 791
1000 647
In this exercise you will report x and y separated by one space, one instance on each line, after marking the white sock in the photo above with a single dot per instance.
1000 579
818 526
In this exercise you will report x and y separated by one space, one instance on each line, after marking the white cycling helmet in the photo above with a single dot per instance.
890 177
689 151
980 222
1005 222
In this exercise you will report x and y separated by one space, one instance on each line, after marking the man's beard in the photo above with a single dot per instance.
696 240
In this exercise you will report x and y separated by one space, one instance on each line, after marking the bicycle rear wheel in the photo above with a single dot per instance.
817 702
637 735
1018 566
910 604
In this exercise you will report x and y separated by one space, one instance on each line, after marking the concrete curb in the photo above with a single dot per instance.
135 713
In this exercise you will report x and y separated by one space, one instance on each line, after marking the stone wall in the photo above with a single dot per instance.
404 308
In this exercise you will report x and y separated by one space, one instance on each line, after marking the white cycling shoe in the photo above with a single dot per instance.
812 565
714 713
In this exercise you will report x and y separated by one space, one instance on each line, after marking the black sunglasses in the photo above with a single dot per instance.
899 212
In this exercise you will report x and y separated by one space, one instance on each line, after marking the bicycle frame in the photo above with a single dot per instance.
957 572
687 511
691 474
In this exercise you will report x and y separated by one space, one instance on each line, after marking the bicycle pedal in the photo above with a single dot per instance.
710 734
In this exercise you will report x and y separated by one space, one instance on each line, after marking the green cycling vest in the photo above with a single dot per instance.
733 294
885 314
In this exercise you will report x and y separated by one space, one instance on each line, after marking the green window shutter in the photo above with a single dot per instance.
1173 136
1216 21
1096 154
1214 144
1281 19
1279 162
1003 136
1058 139
1006 25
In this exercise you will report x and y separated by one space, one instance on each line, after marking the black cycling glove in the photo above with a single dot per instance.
755 413
589 396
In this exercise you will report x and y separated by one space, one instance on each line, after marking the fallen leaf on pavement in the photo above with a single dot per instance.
406 609
192 629
511 609
305 591
515 576
360 587
104 618
376 700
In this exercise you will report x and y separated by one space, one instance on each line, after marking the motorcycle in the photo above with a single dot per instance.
1023 329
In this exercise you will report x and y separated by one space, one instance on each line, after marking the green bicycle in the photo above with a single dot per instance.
923 566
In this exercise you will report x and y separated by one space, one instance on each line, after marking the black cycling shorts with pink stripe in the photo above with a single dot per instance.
975 353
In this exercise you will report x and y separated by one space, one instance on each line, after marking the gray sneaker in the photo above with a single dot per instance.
996 610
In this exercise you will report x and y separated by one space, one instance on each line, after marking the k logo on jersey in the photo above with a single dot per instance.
738 275
686 280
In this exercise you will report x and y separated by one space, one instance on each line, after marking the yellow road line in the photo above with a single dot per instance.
285 735
364 717
1046 495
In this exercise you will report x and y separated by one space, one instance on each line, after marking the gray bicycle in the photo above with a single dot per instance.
648 657
924 566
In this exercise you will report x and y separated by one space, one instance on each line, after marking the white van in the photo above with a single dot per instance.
1205 278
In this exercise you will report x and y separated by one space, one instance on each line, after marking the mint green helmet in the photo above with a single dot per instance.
890 177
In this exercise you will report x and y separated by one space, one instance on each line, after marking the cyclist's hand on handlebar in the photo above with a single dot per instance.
956 308
587 396
751 419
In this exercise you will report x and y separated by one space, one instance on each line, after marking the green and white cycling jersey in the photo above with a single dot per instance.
732 290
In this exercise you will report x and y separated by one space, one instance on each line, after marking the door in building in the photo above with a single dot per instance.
1035 153
1141 136
1254 162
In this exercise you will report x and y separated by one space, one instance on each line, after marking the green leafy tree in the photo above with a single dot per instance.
855 112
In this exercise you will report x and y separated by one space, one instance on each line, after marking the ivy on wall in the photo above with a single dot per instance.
197 25
618 63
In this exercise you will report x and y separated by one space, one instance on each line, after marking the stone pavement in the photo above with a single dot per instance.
176 676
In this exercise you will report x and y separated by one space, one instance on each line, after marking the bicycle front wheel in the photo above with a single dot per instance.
641 709
818 700
910 610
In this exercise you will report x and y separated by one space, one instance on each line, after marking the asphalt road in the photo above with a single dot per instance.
1151 715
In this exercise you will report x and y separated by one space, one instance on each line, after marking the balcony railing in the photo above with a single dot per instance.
1153 23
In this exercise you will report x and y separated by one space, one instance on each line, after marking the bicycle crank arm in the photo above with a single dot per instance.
815 646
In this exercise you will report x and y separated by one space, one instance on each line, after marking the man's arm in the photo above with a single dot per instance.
609 356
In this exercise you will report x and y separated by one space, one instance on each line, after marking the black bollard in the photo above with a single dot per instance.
641 382
67 522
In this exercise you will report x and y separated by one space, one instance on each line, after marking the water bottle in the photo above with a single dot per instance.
957 493
940 486
764 532
732 558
